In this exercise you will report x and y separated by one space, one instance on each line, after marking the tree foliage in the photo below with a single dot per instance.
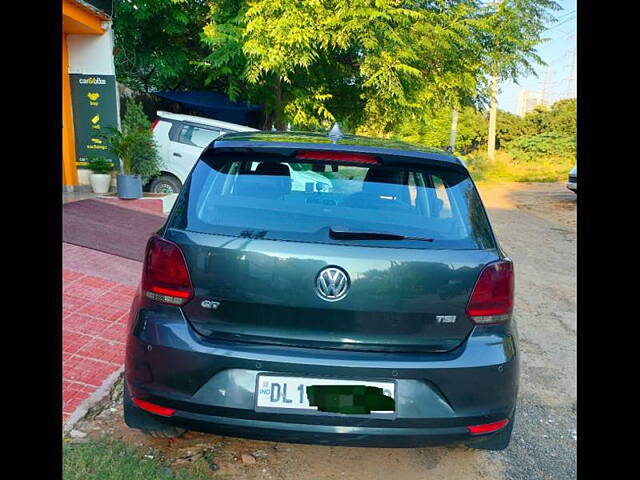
560 119
366 63
534 147
156 41
540 133
511 34
375 66
434 129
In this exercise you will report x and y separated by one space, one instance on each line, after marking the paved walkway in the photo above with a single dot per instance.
97 292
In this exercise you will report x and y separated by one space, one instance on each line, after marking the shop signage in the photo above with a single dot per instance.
94 110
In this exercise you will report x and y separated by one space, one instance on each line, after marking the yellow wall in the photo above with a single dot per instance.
75 20
69 169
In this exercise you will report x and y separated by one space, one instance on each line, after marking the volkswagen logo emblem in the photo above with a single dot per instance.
332 284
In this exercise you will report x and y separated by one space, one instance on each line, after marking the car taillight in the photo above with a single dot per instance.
153 125
492 297
488 427
165 277
338 157
153 408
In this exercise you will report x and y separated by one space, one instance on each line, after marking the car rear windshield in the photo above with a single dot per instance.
379 204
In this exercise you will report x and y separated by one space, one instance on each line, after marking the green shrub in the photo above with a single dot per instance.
100 164
533 147
134 144
505 169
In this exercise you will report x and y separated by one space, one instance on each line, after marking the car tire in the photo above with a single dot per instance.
148 423
497 441
165 184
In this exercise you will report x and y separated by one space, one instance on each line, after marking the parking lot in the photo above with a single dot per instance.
536 225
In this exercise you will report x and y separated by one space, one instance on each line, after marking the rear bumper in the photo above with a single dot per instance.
573 186
211 385
355 436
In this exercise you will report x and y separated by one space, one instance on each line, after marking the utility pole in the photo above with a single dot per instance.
454 129
493 108
493 112
572 75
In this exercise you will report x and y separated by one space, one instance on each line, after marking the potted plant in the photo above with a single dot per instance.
136 148
100 178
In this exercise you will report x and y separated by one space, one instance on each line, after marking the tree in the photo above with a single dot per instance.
156 42
510 126
514 30
562 117
433 129
363 63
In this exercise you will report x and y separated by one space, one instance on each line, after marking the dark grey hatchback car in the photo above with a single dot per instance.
341 291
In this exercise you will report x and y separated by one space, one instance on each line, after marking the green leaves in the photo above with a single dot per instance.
155 41
530 148
368 64
99 164
134 144
541 133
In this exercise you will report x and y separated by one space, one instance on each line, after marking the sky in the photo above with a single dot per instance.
558 52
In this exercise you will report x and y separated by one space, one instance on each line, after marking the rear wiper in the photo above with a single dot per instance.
344 234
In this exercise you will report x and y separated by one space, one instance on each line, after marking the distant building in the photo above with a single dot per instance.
528 100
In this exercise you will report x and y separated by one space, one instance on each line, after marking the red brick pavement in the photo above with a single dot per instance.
97 292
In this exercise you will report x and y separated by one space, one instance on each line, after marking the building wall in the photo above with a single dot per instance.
528 100
87 49
92 54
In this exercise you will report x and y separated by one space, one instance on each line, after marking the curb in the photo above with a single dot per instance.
101 392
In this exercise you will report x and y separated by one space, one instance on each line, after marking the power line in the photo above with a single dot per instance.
566 14
561 23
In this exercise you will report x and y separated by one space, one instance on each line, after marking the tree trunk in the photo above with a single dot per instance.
454 129
493 110
278 119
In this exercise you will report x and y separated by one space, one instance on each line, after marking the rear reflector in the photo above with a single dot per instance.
488 427
153 408
492 297
338 157
165 277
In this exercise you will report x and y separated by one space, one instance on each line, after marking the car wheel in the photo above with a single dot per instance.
497 441
165 184
148 423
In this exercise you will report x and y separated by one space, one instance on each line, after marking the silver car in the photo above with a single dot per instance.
572 184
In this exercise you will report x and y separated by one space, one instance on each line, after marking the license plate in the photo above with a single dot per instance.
275 392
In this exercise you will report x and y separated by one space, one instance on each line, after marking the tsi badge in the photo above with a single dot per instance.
210 304
445 319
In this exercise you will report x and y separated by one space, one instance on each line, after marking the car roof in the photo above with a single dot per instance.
289 141
204 121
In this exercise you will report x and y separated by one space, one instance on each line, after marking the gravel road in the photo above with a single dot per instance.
536 225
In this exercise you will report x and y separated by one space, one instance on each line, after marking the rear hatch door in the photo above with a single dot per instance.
256 244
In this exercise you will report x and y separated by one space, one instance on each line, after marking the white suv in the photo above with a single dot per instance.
181 139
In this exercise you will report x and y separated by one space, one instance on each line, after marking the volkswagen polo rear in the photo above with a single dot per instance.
375 312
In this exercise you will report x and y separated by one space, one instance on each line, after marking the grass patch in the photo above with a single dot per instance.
505 168
108 459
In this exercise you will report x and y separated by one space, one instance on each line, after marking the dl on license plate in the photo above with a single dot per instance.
277 392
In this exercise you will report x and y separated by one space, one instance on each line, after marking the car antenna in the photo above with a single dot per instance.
335 133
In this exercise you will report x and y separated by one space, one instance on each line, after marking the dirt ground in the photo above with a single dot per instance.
536 225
